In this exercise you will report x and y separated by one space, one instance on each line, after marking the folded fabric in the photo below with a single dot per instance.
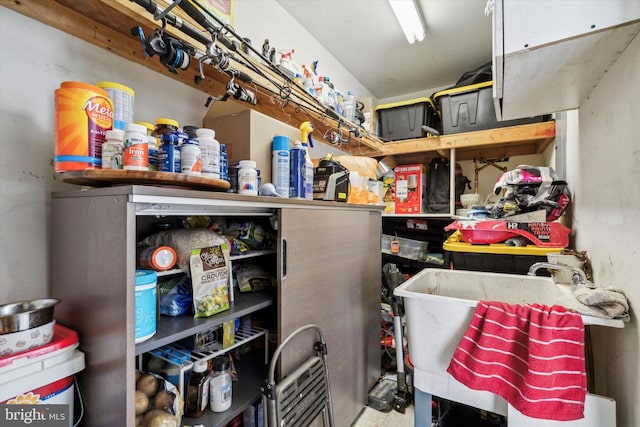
531 355
603 302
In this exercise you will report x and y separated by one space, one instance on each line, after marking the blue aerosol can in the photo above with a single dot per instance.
297 171
280 165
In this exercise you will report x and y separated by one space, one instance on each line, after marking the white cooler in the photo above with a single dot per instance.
43 375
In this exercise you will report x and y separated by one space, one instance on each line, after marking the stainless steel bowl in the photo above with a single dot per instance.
19 316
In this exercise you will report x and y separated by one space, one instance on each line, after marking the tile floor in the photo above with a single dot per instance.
371 418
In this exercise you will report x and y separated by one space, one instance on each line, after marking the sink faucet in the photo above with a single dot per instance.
575 270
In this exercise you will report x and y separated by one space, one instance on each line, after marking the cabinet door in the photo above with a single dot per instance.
548 56
330 274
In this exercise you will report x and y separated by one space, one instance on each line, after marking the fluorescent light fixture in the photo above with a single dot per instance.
409 19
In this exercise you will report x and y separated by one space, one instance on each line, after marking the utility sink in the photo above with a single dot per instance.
440 305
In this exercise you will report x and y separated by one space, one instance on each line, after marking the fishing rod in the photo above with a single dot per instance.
175 53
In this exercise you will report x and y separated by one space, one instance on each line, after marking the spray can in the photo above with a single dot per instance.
308 173
280 164
297 171
210 152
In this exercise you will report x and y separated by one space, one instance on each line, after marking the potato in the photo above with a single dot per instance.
142 402
148 384
139 419
164 400
155 364
159 418
138 375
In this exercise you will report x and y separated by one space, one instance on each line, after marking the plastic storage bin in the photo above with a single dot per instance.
404 120
412 249
43 375
470 108
495 257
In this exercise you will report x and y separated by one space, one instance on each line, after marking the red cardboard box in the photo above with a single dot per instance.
410 188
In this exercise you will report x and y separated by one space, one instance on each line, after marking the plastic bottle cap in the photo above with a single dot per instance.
280 142
145 277
116 134
165 121
133 127
147 125
220 363
200 366
113 85
206 133
247 164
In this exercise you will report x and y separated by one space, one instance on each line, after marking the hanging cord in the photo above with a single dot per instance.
75 382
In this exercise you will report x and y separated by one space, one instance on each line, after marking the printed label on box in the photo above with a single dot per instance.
409 187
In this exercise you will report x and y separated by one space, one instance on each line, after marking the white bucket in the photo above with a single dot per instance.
42 376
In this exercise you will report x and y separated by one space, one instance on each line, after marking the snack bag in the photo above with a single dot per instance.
210 279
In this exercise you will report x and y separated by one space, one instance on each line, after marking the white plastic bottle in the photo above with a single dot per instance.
247 178
220 385
349 106
136 148
190 159
209 152
280 165
308 175
112 149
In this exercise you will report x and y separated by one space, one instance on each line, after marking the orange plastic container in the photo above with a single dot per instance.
83 115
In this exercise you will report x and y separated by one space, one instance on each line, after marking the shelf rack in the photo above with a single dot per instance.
184 358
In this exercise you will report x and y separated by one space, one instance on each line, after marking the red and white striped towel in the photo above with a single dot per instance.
531 355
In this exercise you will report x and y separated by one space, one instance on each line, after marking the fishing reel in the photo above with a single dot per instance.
173 53
240 93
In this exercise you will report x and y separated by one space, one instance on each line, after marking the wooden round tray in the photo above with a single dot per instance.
110 177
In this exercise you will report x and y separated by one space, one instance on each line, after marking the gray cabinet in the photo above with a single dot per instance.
328 273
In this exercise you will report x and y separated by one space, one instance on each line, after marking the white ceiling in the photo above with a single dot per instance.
367 40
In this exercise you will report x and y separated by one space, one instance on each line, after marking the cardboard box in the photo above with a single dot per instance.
409 188
249 135
369 116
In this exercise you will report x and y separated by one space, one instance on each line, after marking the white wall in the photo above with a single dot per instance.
266 19
34 59
603 168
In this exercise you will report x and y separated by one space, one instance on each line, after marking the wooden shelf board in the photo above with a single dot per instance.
507 141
